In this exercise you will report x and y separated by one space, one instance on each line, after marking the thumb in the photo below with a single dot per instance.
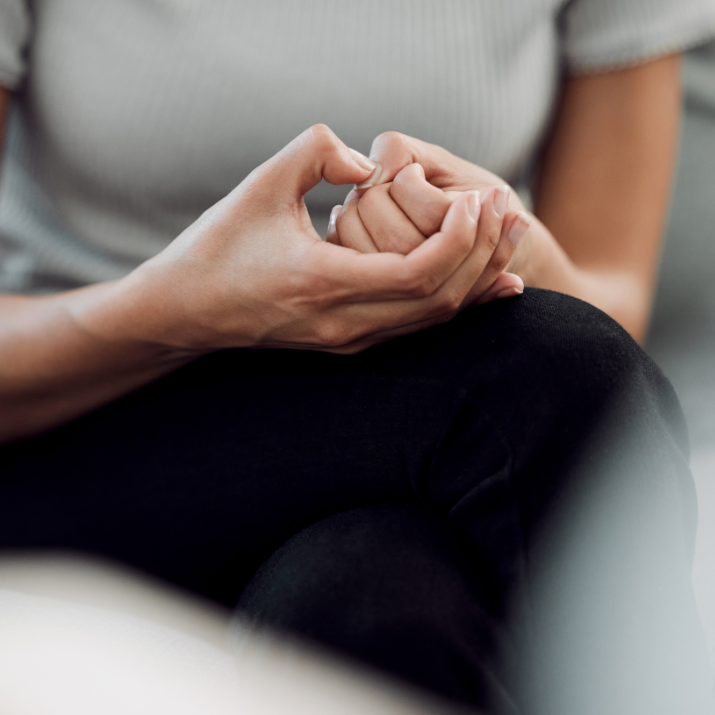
393 151
314 155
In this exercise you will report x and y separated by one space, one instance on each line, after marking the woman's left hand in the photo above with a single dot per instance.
602 194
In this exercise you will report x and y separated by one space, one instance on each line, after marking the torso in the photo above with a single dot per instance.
137 116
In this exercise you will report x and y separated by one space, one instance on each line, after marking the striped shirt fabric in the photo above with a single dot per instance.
129 119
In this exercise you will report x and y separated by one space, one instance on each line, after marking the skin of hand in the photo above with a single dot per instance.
441 170
250 272
602 195
602 192
400 215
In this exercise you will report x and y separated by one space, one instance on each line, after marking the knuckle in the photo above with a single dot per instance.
415 284
389 142
331 334
491 239
409 176
352 349
500 260
448 302
465 243
445 317
402 181
391 137
323 136
376 194
374 199
422 290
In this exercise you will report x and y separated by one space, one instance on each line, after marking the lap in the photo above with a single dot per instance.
204 473
516 421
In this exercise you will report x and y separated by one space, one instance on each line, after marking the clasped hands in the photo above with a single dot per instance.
424 235
396 209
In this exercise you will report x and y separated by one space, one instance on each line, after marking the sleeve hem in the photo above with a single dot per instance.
618 59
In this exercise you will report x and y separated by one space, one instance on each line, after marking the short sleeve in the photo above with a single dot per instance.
608 34
14 35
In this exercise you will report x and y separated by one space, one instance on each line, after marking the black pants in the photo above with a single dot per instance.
545 457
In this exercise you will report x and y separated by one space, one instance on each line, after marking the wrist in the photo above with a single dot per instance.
545 264
123 318
541 262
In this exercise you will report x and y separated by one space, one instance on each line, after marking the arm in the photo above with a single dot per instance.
52 368
250 272
604 187
602 194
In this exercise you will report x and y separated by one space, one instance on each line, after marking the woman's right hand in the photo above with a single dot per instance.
252 271
402 214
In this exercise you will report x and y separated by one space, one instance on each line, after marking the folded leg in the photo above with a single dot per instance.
536 426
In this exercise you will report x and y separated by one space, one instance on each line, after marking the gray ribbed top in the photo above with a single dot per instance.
131 118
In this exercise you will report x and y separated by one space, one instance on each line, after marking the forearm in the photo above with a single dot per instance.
55 366
604 186
250 272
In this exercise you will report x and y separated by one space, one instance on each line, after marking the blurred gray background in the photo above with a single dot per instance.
682 334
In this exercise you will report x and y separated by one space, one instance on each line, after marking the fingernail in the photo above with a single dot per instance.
508 293
333 218
501 200
352 195
519 227
474 204
373 180
363 161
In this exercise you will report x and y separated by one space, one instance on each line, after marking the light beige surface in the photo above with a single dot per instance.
81 638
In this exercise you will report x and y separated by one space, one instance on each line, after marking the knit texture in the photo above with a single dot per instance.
133 118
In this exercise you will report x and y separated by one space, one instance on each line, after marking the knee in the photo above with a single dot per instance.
596 413
553 392
346 577
568 336
393 586
557 334
587 360
546 352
